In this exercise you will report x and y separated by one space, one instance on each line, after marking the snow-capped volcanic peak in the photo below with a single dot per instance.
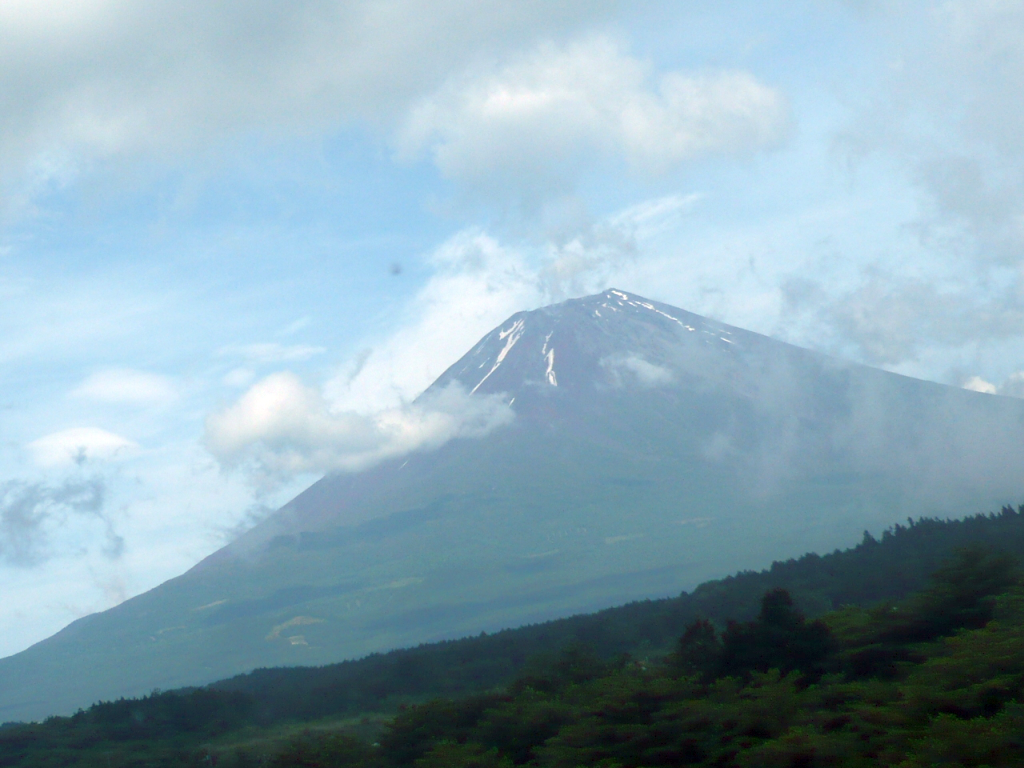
583 342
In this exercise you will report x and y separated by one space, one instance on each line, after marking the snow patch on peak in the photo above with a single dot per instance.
653 308
516 326
549 374
549 355
513 335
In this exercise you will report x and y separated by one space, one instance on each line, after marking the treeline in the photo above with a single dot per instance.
172 728
936 681
874 571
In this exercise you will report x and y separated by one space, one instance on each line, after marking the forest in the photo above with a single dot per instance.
904 650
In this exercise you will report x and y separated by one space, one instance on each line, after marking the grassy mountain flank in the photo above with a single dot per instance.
664 450
937 681
662 682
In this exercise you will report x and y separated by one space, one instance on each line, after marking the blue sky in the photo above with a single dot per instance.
237 239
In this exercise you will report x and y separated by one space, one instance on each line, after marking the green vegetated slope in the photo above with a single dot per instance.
886 679
660 451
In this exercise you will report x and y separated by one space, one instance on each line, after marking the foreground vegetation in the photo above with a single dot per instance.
889 678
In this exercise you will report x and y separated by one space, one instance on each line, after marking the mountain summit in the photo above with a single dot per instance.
580 343
650 449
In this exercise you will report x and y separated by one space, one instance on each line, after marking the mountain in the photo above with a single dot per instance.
651 449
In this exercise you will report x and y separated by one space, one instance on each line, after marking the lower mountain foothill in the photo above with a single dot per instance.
613 449
906 650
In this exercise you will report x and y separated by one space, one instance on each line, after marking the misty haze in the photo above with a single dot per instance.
494 384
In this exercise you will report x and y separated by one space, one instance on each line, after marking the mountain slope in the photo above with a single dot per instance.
651 449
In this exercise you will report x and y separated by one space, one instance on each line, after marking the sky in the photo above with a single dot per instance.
238 239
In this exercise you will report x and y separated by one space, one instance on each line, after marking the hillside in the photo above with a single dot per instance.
263 711
649 450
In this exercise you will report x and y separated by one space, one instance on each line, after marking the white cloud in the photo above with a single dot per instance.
29 514
127 386
654 216
272 352
79 445
281 428
532 128
958 117
100 79
162 510
586 260
1012 387
631 368
478 282
947 116
295 326
888 318
238 377
978 384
